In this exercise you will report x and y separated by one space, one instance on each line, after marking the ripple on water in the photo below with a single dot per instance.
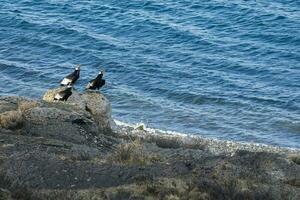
223 69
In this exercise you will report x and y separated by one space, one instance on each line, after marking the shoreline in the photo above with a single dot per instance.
215 145
238 145
75 151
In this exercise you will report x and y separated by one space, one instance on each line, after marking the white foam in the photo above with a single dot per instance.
213 141
153 130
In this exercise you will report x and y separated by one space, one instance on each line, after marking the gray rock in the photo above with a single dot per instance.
11 120
61 153
11 109
8 103
99 106
92 102
51 122
50 94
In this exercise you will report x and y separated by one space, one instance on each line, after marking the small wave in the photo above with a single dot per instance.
290 126
222 68
190 138
151 130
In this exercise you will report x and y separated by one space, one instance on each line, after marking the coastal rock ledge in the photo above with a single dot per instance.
73 150
92 102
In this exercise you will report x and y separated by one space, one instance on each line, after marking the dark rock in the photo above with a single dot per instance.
67 151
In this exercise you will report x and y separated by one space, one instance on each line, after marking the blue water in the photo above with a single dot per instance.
218 68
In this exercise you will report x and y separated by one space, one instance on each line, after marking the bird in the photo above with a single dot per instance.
71 78
63 95
96 83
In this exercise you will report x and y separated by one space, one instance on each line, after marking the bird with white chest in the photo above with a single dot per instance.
71 78
96 83
64 94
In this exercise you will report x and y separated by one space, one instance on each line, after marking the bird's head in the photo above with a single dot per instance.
102 71
77 67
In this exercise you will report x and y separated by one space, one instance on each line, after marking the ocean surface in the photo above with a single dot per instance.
220 69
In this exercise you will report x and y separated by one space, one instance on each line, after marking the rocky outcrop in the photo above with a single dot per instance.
54 150
93 102
65 122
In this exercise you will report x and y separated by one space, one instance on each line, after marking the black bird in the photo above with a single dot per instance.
64 94
96 83
71 78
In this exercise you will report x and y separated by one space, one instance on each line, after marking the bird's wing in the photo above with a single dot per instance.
90 84
58 96
72 75
66 81
102 83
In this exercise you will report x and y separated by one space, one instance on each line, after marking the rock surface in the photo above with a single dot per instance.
58 152
92 102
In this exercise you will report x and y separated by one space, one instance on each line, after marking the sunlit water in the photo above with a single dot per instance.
222 69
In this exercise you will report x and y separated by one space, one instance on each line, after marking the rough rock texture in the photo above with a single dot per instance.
11 119
50 94
58 152
101 111
91 101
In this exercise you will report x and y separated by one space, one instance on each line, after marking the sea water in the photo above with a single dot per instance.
222 69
